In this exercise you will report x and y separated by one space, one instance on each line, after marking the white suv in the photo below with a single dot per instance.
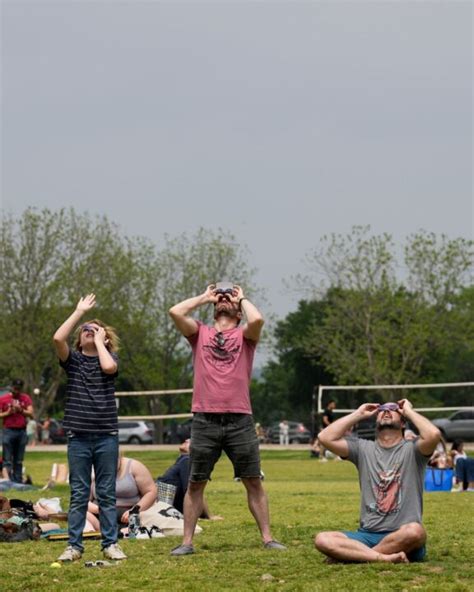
136 432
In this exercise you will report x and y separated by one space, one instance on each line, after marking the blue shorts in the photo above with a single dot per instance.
370 539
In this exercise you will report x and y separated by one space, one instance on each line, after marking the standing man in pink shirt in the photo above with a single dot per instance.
222 358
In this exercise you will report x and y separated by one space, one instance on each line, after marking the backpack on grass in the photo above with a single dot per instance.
16 525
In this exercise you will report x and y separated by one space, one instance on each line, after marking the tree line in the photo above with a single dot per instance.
48 259
366 314
372 316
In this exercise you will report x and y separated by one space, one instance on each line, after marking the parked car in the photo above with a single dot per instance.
175 433
136 432
298 433
459 426
366 428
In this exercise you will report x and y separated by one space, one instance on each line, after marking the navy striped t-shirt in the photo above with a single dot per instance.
90 403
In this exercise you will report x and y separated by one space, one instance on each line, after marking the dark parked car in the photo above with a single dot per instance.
366 429
176 433
298 433
57 433
460 426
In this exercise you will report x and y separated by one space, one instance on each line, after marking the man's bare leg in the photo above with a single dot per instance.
337 545
409 537
193 506
258 506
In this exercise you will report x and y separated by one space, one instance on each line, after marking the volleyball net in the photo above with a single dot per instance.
172 392
350 397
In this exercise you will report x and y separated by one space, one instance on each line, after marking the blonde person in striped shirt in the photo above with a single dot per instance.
90 420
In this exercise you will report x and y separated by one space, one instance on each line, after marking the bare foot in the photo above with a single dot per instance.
395 558
331 560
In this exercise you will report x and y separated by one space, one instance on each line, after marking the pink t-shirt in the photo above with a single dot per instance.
222 370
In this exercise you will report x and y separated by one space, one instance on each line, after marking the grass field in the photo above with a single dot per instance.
305 496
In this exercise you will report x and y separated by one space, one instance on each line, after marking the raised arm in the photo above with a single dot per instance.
429 433
180 313
332 437
254 324
62 334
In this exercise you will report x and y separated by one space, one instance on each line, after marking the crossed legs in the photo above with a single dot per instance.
393 548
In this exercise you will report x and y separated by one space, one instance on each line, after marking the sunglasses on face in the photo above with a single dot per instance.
389 407
220 340
88 328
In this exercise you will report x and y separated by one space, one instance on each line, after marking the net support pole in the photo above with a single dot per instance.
320 398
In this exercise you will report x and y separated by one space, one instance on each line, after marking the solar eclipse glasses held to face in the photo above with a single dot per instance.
224 288
389 407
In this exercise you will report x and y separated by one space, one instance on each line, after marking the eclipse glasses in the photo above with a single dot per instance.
389 407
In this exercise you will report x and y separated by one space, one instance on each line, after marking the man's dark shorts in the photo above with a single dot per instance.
370 539
233 433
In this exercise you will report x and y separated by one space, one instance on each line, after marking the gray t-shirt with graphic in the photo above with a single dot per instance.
391 483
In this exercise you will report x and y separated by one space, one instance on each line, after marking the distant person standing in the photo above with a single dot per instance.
328 414
32 432
284 433
327 419
45 430
15 408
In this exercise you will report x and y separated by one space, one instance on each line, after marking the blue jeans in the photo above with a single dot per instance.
465 471
14 444
84 452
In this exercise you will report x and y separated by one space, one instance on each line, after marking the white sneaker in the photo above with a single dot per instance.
156 532
114 552
70 554
142 533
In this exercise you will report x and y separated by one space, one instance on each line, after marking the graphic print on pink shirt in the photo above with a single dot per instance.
222 350
222 363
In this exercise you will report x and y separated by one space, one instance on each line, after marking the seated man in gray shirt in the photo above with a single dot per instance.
391 474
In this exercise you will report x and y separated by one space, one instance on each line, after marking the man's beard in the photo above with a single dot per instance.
394 425
225 311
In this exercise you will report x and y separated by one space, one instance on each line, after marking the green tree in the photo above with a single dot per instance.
48 259
287 384
185 266
376 330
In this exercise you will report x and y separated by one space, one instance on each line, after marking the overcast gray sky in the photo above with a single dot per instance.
276 121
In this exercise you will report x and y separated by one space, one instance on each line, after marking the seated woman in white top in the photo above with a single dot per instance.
457 451
134 485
